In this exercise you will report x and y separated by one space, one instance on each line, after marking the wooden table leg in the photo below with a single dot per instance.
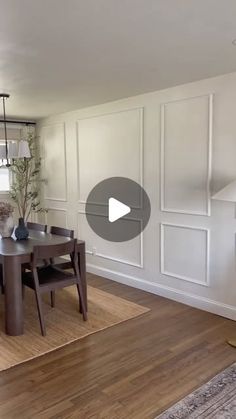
13 295
82 269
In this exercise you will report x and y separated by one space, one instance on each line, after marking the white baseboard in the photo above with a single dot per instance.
202 303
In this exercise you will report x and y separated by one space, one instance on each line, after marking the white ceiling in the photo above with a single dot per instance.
60 55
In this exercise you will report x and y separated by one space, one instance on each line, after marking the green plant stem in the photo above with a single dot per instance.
25 189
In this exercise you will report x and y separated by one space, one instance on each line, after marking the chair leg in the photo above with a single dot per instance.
80 306
23 291
40 313
81 300
52 298
1 280
2 286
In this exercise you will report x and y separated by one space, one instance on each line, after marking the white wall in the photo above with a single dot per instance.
178 143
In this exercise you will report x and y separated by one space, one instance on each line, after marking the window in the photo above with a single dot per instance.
4 179
13 134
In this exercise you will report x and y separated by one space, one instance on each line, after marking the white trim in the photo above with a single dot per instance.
210 140
65 163
78 163
127 217
209 158
186 98
141 147
189 299
205 283
55 199
59 210
123 261
135 108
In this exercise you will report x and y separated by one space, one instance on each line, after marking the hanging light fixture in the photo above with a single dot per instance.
11 150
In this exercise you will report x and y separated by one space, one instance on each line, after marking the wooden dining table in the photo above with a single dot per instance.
13 254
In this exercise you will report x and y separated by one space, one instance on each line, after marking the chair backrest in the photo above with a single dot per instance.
37 227
62 232
51 251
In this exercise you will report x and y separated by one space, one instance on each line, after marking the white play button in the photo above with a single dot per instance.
113 206
117 210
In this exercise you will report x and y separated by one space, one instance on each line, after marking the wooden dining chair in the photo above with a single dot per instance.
60 262
51 278
37 227
65 232
1 280
60 231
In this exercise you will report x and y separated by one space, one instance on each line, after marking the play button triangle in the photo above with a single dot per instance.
117 210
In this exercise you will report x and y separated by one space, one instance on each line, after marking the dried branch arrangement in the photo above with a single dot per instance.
26 181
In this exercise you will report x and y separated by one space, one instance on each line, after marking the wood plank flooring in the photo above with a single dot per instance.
64 324
133 370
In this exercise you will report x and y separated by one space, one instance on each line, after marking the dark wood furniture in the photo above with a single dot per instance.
1 280
50 278
62 231
60 262
12 255
37 227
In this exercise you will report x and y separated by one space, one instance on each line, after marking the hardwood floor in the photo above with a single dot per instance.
133 370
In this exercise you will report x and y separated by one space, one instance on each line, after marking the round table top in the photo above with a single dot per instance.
12 247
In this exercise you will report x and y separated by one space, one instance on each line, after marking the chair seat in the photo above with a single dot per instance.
41 264
62 263
50 278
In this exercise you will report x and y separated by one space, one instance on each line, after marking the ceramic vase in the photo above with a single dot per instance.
6 226
21 232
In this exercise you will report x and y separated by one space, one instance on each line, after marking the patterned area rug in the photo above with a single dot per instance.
216 399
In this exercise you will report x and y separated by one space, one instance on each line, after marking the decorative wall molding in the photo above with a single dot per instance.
55 199
163 271
51 198
165 291
123 261
57 210
114 259
209 157
141 145
216 298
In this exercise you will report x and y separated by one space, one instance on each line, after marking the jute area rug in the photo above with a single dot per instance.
64 323
215 400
